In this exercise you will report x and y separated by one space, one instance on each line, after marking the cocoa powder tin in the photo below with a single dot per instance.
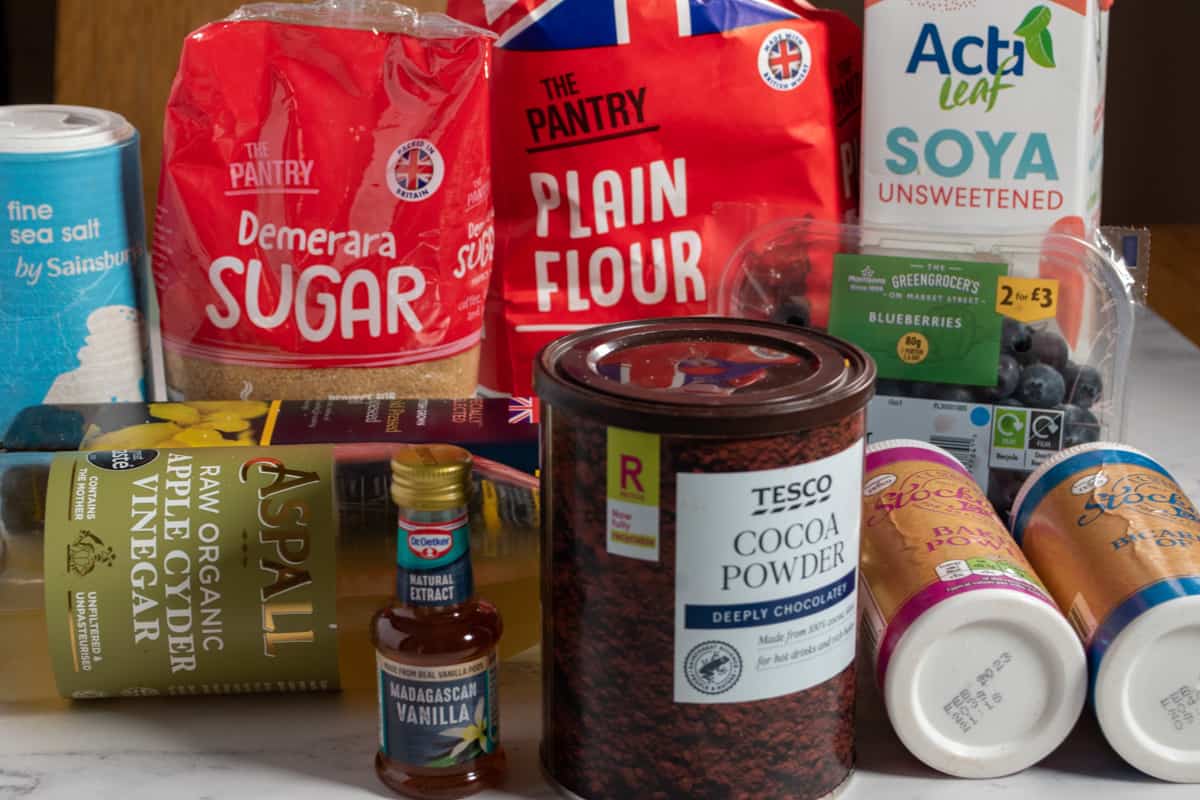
700 496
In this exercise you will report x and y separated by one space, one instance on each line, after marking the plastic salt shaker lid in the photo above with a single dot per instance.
986 684
34 129
1147 689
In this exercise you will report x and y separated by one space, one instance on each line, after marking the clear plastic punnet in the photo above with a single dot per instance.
1002 350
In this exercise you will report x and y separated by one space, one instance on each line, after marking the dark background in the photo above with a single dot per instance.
27 51
1152 161
122 55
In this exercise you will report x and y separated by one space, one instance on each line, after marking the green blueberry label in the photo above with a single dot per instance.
922 320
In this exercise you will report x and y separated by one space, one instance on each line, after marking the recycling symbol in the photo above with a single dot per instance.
1045 427
1010 424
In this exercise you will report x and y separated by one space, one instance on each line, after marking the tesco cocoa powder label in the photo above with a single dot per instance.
325 199
765 579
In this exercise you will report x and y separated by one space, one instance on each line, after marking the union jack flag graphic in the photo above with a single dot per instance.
785 60
721 369
523 411
414 170
576 24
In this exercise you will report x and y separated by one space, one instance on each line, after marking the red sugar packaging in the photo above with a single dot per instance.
620 126
325 217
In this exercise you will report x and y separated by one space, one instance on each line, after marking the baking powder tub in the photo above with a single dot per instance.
1118 544
979 671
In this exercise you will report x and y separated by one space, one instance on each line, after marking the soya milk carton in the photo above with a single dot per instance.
984 115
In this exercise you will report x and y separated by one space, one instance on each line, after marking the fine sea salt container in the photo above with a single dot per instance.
700 507
72 253
1118 544
979 671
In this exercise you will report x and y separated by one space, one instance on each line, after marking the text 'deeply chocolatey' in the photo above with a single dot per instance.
699 559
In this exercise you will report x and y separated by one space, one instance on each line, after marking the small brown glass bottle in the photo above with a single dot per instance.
435 644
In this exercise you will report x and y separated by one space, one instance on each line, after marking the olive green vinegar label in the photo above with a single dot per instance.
192 571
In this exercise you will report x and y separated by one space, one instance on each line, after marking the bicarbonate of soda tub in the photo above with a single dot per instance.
1117 542
984 115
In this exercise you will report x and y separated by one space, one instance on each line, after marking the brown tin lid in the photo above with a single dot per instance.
705 376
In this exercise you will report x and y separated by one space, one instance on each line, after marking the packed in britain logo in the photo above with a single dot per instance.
415 170
784 60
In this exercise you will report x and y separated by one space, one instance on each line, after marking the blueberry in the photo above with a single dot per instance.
1080 426
794 311
1016 339
954 394
1008 378
1003 487
1084 385
1050 348
1042 386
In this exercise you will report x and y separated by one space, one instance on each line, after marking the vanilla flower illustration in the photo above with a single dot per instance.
474 734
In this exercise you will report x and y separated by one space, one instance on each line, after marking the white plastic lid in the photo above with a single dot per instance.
986 684
1148 691
915 444
60 129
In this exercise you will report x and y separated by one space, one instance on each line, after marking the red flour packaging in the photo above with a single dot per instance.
325 216
618 126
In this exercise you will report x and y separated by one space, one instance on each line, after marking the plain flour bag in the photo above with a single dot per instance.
618 126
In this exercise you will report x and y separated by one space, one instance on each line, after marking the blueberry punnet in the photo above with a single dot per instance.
1016 339
794 311
954 394
923 390
1049 347
1003 486
1080 426
1042 386
1008 378
1084 385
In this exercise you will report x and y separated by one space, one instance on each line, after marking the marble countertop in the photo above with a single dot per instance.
321 746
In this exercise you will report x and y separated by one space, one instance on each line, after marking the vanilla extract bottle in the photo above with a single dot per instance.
436 642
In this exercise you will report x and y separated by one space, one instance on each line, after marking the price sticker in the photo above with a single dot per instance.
913 348
1027 299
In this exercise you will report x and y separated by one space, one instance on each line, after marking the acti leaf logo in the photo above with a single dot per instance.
1035 31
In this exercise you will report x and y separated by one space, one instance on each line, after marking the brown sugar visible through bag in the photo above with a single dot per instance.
201 379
